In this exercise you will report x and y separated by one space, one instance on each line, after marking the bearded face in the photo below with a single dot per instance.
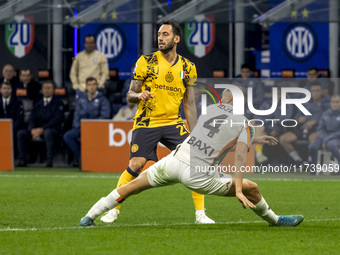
166 39
166 47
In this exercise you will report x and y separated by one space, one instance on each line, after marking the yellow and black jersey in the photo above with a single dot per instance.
168 84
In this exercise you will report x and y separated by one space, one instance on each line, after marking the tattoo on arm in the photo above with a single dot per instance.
135 87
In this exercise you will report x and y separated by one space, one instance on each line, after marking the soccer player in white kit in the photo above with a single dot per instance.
216 133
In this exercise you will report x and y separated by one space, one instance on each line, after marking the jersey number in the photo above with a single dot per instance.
212 126
182 131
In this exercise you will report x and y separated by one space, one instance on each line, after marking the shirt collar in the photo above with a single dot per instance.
8 99
94 96
48 99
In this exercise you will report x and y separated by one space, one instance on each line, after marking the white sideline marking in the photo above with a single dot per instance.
98 176
145 225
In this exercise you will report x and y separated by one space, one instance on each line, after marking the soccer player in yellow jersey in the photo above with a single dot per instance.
162 80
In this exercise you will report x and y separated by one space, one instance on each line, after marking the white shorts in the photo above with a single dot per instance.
170 170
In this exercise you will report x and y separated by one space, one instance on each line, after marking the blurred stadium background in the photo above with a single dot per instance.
218 35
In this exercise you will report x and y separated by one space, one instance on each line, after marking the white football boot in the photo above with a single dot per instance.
111 216
201 218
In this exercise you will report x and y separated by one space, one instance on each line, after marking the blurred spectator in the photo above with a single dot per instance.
45 123
307 124
27 82
11 107
8 75
247 79
328 132
126 112
89 63
92 105
273 128
313 76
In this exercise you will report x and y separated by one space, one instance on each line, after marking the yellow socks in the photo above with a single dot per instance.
258 148
198 200
127 176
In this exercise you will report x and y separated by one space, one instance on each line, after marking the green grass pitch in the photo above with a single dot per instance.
40 211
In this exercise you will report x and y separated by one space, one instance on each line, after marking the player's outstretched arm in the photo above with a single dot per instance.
189 105
134 95
265 139
240 161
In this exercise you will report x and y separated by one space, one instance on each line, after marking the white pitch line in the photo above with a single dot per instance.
98 176
144 225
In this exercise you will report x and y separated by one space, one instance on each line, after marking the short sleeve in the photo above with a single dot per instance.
139 72
192 75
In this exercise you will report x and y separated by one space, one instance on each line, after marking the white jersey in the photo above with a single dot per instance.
214 136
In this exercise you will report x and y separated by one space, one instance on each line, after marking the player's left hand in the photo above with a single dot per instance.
244 201
266 139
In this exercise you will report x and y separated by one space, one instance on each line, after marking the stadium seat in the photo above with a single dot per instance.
116 103
45 74
219 74
287 73
324 156
113 74
26 103
111 87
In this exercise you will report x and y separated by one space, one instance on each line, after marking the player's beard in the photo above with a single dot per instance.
168 47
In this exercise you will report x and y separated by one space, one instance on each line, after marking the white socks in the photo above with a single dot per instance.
199 212
263 210
295 155
105 204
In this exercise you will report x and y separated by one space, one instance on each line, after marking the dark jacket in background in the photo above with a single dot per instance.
13 82
97 108
15 111
33 90
256 84
50 116
329 126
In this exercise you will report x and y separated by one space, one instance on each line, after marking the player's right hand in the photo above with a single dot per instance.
244 201
145 96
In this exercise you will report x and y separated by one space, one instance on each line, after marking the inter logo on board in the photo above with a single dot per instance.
299 42
111 42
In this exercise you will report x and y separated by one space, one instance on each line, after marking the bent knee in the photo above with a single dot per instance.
250 188
282 139
137 165
287 138
332 145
